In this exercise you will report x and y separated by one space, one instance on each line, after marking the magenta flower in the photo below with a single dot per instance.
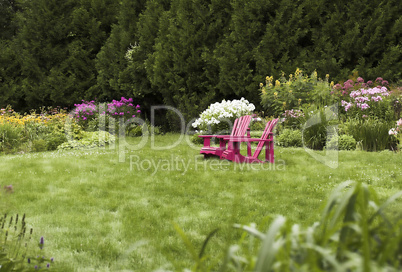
138 111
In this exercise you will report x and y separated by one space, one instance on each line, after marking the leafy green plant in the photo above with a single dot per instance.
289 137
89 140
342 142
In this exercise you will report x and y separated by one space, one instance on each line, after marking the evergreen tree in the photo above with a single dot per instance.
236 54
111 60
181 65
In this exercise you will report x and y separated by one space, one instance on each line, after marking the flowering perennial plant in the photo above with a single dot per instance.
124 107
293 114
296 91
88 109
397 130
345 89
362 98
218 116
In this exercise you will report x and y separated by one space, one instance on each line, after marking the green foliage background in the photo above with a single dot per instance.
186 54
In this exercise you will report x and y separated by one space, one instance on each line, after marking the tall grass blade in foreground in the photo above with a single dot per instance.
355 234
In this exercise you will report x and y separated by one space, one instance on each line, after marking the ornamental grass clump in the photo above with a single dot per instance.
219 117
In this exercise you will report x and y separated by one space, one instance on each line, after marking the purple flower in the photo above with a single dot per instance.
133 116
41 242
52 259
137 107
369 83
360 80
48 265
138 111
121 113
379 79
29 260
84 118
36 267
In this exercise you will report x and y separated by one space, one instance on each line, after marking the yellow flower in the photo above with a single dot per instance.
269 78
275 93
290 77
299 101
261 85
332 84
327 76
277 83
263 91
270 85
298 72
314 75
290 91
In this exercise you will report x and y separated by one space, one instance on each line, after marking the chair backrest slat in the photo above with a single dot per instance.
268 129
240 125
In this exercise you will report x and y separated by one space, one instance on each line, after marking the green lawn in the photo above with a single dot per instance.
101 211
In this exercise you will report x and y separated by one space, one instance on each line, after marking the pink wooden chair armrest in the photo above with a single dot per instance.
208 136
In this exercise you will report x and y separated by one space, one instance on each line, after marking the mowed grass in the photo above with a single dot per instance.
114 209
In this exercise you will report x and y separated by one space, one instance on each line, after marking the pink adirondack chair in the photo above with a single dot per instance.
267 140
240 127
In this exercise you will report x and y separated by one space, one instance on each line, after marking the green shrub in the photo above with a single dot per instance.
39 145
197 140
89 140
54 140
289 137
343 142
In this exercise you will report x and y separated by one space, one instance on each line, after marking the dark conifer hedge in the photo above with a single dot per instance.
186 54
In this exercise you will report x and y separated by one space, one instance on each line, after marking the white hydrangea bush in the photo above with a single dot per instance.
220 116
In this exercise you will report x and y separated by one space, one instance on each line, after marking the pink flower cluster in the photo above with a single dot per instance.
362 97
85 110
123 108
293 114
350 85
